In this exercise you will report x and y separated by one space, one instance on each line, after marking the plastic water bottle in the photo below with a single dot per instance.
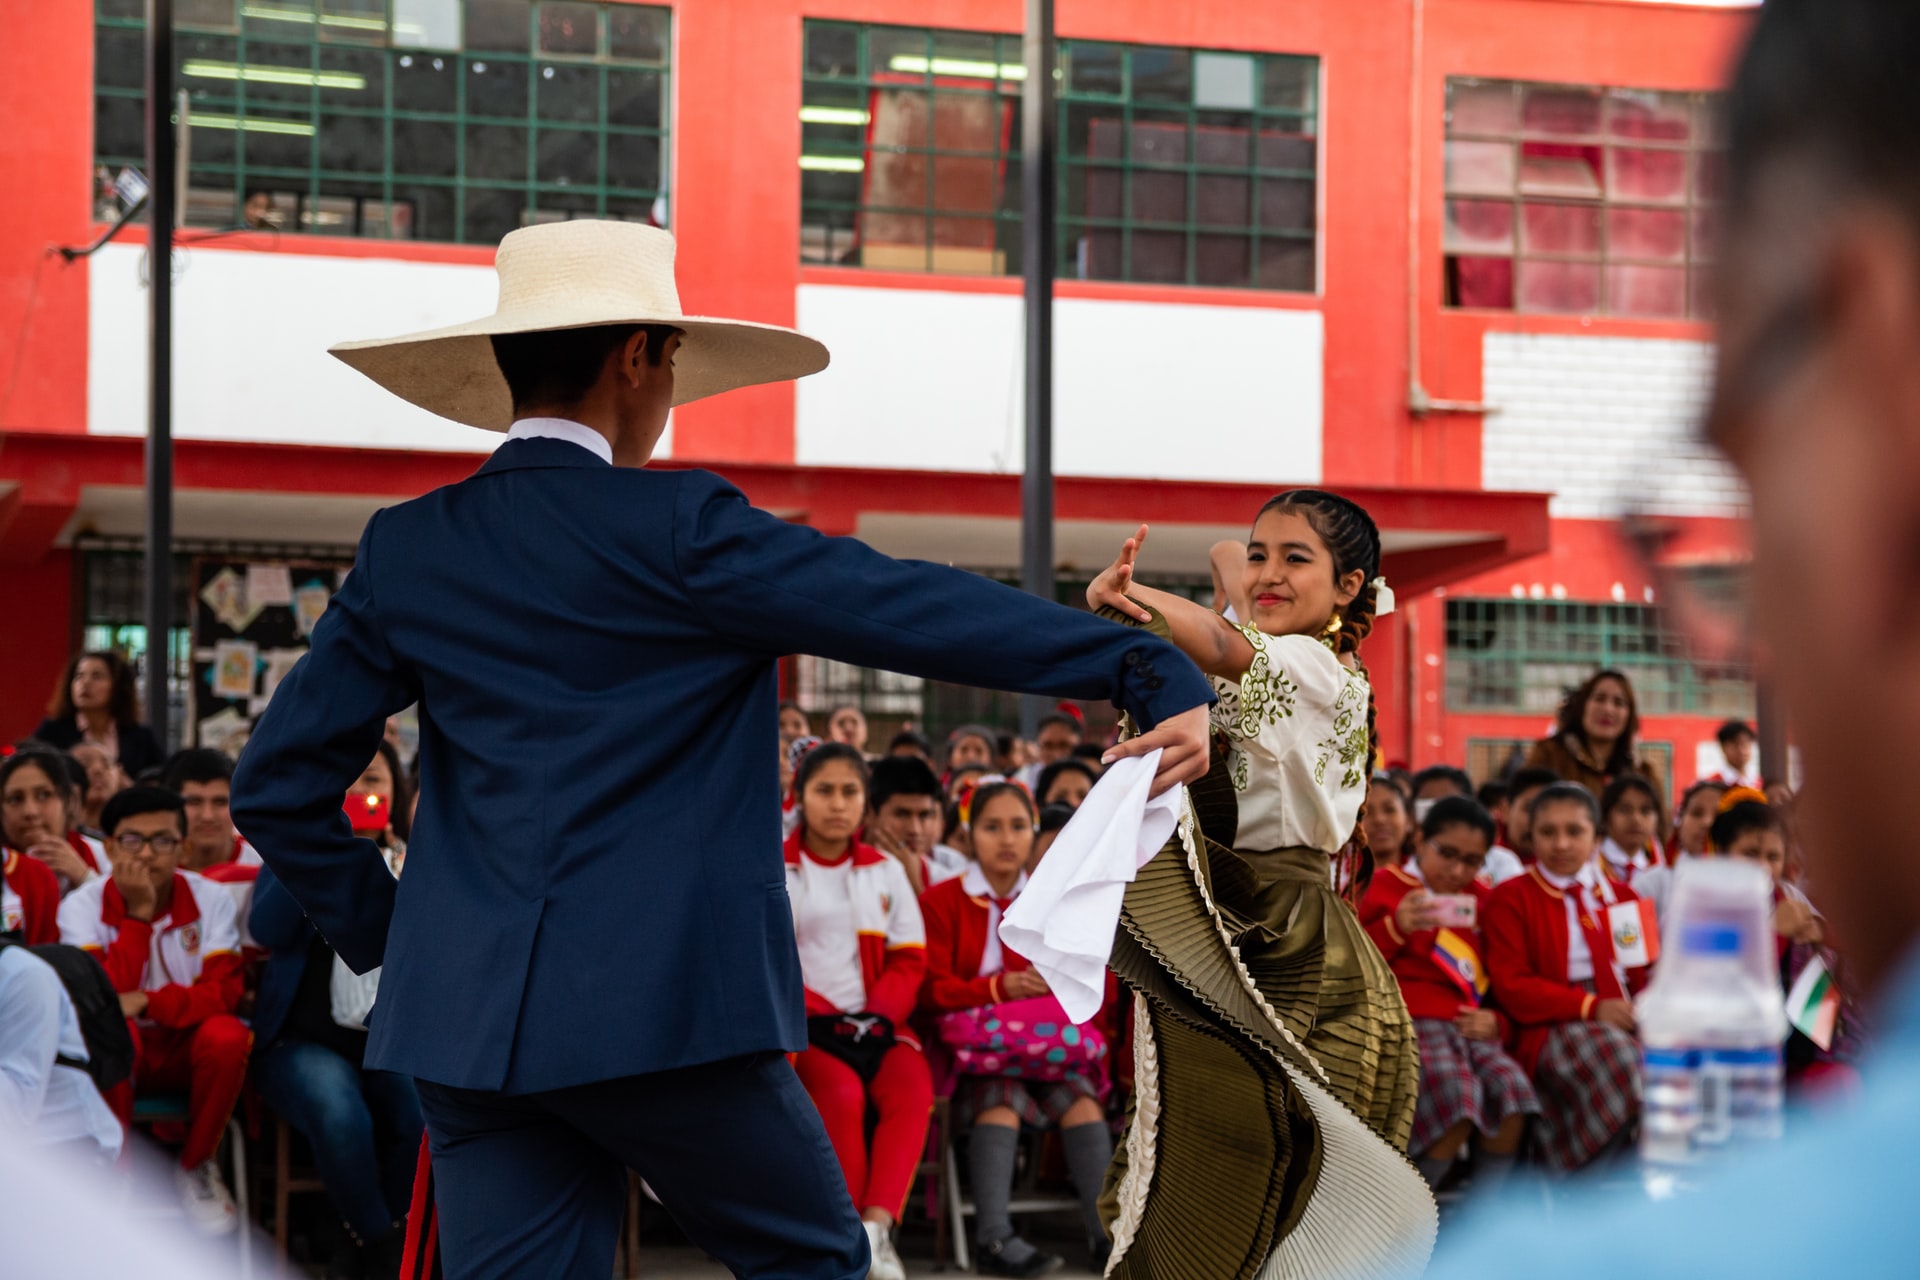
1712 1025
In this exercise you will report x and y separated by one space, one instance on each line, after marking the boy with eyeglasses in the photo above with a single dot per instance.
169 941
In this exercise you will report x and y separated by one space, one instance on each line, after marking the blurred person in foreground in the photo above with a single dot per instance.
1817 401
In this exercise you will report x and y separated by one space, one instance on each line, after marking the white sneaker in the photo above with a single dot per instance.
204 1196
886 1259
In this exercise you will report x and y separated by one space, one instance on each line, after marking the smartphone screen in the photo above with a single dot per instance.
368 813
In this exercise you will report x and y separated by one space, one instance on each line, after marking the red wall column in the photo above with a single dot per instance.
39 600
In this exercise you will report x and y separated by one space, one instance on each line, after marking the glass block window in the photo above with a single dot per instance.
454 120
1176 166
1524 655
1580 201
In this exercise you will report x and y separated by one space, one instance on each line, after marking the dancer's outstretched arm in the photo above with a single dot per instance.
1215 645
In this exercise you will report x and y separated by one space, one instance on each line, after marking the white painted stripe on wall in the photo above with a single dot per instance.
251 332
933 380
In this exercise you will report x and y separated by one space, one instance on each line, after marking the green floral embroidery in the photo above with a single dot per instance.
1266 694
1348 742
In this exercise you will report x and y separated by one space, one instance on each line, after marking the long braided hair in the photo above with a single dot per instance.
1353 540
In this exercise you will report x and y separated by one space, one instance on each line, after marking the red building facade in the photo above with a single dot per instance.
1443 254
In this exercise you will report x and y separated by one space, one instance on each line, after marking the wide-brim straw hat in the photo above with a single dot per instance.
569 275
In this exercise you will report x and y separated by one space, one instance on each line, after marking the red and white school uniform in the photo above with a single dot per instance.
863 950
236 875
188 963
1442 974
966 966
29 898
1551 958
1627 867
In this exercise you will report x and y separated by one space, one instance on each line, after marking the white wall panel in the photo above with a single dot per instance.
931 380
1606 425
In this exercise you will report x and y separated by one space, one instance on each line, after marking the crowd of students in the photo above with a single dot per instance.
1498 909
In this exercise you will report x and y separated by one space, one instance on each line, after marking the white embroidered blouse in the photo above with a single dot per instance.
1297 728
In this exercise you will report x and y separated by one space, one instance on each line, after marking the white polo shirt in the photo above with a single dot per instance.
200 923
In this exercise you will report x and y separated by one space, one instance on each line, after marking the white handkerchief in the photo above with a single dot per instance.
1064 920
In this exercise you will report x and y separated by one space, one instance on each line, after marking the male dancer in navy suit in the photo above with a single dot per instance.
589 963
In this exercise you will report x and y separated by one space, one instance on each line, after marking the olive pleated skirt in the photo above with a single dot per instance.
1276 1072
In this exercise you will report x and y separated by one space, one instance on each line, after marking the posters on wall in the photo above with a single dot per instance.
252 620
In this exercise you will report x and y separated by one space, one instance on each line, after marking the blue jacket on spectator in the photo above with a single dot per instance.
278 924
594 885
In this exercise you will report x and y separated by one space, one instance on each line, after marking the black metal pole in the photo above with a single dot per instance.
1039 127
160 207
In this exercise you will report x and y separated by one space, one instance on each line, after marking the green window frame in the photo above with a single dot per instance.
1506 655
1578 200
1177 166
439 120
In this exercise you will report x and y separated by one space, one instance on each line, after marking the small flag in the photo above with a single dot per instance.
1813 1006
1636 933
1461 963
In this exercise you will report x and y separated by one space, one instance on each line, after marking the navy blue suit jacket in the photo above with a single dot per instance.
593 886
277 923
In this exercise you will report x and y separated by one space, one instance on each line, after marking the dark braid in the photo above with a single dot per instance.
1353 540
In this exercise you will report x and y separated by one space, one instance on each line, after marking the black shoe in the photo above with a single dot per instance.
991 1262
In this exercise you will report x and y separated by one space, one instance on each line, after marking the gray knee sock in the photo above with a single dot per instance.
1089 1149
1435 1171
991 1153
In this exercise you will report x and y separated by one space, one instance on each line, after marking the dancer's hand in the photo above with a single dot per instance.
1184 741
1109 590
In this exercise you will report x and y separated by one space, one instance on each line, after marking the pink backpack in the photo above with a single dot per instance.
1025 1040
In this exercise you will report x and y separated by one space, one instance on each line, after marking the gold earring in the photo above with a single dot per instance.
1331 632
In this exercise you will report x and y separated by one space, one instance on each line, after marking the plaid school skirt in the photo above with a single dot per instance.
1588 1079
1040 1104
1462 1079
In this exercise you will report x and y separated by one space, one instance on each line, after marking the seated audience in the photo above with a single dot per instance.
1630 828
1737 743
104 777
364 1126
1595 735
203 779
29 899
1053 820
1470 1089
94 702
1691 827
384 779
37 803
1056 737
790 757
862 958
169 941
1750 828
793 723
848 724
47 1099
969 969
1066 781
969 746
1387 822
1554 973
1433 784
910 742
906 821
1522 787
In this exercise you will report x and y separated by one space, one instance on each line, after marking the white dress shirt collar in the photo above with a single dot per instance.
563 429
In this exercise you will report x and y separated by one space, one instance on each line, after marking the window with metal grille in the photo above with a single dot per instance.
1524 655
1177 166
1576 200
455 120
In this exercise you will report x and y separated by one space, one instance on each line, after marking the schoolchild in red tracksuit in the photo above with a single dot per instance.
29 898
1469 1085
169 941
1558 954
862 952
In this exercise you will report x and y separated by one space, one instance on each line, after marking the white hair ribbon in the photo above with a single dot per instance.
1382 598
